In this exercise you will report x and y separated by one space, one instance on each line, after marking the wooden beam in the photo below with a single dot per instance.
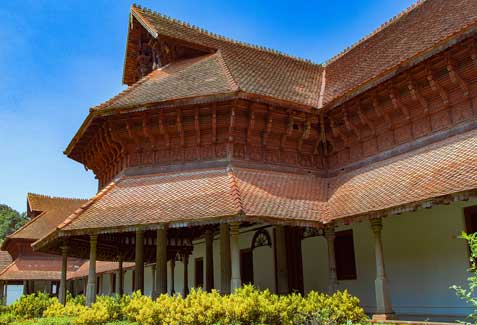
163 130
268 128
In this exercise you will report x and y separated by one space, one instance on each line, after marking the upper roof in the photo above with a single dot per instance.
54 210
5 260
200 76
411 34
253 69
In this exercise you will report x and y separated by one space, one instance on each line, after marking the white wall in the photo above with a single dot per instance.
423 257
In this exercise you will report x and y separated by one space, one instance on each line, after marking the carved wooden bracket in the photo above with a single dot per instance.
251 124
416 95
162 129
381 112
232 124
435 86
336 131
268 128
455 77
180 128
197 125
350 126
397 104
214 124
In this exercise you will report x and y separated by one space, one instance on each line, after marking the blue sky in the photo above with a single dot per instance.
59 58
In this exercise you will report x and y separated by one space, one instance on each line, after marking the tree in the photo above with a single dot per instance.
10 220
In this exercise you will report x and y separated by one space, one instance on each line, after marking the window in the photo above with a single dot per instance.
470 215
344 255
199 272
246 266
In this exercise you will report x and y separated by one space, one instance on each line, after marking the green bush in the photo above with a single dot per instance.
31 306
469 294
7 318
246 305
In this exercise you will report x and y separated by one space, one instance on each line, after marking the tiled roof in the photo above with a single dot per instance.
204 75
254 70
37 268
5 259
101 267
54 211
202 195
417 30
445 167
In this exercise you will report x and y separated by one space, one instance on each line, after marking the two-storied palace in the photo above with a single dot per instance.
225 163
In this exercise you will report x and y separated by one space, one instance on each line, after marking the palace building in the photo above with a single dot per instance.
225 163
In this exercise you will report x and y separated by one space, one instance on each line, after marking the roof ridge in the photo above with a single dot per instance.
45 196
224 38
235 191
382 27
227 71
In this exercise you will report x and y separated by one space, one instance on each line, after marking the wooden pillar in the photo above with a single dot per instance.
332 278
225 267
173 268
235 281
185 260
2 293
161 263
139 261
25 287
120 276
153 271
281 260
383 301
91 286
64 268
209 260
5 295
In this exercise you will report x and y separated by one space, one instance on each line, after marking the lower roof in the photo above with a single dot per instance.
37 268
209 195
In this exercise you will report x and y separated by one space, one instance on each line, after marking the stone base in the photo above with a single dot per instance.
382 317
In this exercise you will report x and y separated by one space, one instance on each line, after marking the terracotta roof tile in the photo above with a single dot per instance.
54 211
443 168
45 267
201 195
5 260
408 35
254 70
101 267
199 76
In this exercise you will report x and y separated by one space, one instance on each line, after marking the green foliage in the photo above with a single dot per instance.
31 306
469 294
7 318
246 305
10 220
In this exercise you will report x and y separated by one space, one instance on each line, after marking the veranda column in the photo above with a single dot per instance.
2 293
91 287
225 267
120 277
5 295
282 263
64 267
383 300
139 261
235 281
332 278
161 263
209 260
185 260
153 271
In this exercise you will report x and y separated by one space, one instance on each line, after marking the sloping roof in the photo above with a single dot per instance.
202 195
54 211
101 267
5 259
254 70
204 75
187 198
446 167
45 267
412 33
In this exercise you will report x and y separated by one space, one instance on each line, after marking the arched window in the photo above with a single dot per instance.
261 238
